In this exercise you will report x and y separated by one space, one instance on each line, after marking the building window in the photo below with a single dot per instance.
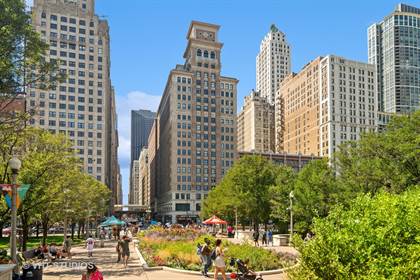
199 53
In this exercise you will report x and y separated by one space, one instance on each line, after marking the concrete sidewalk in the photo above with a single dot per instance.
104 258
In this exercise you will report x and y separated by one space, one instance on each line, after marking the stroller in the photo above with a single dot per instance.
243 273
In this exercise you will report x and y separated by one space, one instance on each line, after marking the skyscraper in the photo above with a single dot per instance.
256 125
141 123
80 107
273 63
393 46
330 101
196 124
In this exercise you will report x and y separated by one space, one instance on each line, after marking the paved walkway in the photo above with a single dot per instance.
105 259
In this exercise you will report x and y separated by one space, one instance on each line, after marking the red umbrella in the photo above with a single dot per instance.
214 221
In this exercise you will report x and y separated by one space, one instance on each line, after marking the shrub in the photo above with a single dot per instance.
376 238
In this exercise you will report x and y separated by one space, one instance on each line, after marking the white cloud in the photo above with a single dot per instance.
125 103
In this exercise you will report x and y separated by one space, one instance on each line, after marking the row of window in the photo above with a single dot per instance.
71 124
206 54
54 17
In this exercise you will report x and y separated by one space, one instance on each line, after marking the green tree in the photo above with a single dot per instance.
22 61
245 187
389 160
315 193
375 238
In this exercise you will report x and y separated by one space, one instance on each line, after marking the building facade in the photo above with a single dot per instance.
295 161
273 63
256 126
330 101
141 123
144 177
80 106
196 126
393 46
134 193
153 147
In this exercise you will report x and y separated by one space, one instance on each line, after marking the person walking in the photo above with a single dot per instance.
256 236
90 243
125 252
206 259
67 247
219 262
119 249
270 237
264 238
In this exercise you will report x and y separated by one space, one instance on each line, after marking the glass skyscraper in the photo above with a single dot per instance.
394 47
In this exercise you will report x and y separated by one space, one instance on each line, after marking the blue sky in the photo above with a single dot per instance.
148 39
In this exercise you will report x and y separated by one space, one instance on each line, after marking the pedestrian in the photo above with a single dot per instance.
119 249
219 262
90 243
270 237
206 259
67 247
256 236
93 273
264 238
125 252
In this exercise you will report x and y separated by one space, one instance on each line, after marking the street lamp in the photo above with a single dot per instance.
291 197
15 165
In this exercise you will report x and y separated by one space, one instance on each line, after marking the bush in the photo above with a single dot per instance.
377 238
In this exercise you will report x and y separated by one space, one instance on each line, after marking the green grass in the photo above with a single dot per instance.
33 242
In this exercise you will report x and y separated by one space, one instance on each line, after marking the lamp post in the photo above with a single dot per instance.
291 197
15 165
236 222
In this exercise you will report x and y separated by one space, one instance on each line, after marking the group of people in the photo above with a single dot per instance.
266 237
53 251
208 256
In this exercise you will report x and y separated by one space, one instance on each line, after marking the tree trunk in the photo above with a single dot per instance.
37 229
44 230
72 229
25 231
78 229
1 230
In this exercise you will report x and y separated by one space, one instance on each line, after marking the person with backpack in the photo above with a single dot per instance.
206 257
219 260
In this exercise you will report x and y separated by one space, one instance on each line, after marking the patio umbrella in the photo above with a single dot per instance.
214 221
112 221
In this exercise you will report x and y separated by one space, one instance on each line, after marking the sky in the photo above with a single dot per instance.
148 38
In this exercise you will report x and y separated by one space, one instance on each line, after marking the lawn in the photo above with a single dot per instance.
176 247
33 242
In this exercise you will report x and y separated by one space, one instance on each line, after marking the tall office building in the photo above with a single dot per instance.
196 126
330 101
134 195
80 106
256 125
141 123
393 46
273 63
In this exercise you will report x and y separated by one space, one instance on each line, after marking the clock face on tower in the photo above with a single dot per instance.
206 35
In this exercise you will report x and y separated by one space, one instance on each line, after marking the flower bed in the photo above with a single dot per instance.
176 247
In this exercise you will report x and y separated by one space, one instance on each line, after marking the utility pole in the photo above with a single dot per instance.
291 196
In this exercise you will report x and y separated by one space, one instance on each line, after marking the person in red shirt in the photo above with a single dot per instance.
93 273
